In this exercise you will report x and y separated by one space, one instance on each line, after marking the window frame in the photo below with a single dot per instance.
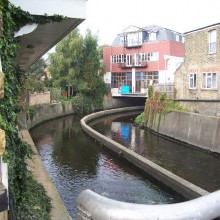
153 36
177 37
128 60
194 78
206 78
211 42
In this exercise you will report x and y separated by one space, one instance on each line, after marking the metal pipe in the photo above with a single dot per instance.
91 205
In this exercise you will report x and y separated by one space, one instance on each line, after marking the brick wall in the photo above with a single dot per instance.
163 47
198 60
39 98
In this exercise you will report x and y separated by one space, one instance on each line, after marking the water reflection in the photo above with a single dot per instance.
75 163
195 166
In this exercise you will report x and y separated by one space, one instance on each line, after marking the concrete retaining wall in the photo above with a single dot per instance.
195 129
48 112
44 113
180 185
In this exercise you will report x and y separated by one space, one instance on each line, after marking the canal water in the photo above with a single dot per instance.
196 166
75 163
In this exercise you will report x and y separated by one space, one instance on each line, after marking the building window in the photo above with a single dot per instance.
121 79
152 77
209 81
128 60
146 57
141 76
183 39
177 37
138 59
212 41
134 39
152 36
192 80
118 58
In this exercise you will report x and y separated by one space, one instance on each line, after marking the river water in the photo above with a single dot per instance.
196 166
75 163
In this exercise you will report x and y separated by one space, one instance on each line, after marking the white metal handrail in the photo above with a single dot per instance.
91 205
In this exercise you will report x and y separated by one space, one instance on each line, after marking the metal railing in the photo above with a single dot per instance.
91 205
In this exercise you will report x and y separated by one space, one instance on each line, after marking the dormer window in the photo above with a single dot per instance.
134 39
212 41
183 39
152 36
177 37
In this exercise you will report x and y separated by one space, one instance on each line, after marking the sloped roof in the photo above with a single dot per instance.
162 33
202 28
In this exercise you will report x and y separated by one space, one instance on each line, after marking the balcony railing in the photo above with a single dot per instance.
125 66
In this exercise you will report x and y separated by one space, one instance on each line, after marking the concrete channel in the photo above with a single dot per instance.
44 113
93 206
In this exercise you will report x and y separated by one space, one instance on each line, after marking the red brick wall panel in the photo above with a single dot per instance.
163 47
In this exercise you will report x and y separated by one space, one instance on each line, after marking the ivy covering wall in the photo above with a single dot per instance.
28 197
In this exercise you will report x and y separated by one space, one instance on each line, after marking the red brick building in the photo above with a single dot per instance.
139 57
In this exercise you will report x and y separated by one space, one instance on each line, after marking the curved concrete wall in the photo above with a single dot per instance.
195 129
180 185
47 112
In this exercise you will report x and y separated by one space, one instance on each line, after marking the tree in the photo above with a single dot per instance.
76 62
94 86
33 74
64 63
38 68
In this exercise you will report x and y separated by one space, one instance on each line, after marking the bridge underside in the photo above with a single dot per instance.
124 101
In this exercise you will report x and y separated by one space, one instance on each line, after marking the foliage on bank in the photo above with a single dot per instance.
28 197
157 106
76 63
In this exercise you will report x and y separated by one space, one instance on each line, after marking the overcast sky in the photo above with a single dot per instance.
107 18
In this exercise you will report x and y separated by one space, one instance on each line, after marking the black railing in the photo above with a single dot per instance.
125 66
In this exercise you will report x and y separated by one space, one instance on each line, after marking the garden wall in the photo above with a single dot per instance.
39 98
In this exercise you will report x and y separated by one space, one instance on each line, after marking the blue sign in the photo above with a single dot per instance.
125 89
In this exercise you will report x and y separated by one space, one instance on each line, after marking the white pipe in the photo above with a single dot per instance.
91 205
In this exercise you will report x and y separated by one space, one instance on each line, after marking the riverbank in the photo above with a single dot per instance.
200 131
40 174
44 113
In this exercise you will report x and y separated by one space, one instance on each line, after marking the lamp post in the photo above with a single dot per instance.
166 58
